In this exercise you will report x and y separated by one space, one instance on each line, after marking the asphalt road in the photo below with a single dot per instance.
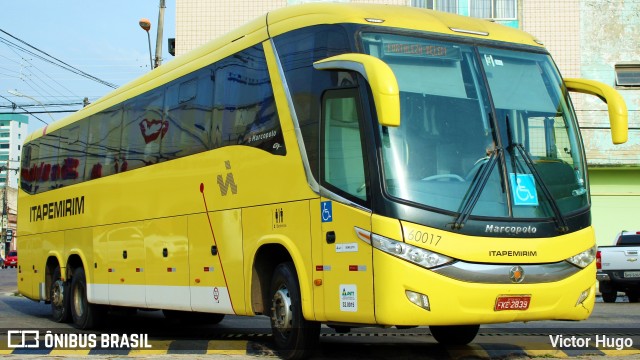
249 337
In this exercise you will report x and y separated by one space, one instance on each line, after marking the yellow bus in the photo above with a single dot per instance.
339 164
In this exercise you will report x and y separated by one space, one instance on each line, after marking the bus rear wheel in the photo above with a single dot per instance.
454 334
59 297
294 336
85 315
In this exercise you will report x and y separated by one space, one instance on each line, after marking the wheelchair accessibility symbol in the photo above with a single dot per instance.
327 211
523 189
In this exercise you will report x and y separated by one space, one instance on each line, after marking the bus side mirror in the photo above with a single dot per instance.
618 117
383 83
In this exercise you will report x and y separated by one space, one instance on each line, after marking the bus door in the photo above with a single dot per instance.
346 265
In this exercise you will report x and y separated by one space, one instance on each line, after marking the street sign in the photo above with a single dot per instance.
9 235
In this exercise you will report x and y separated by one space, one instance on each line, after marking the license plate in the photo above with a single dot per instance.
512 302
632 274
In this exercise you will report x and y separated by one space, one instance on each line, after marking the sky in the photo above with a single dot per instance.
100 38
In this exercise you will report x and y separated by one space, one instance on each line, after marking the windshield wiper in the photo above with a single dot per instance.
561 222
559 218
477 185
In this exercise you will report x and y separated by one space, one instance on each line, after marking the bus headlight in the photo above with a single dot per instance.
583 259
421 257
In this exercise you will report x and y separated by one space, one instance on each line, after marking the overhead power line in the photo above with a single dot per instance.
25 110
44 104
57 61
29 112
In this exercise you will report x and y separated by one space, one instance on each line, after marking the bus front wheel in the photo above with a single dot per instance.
294 336
454 334
85 315
59 297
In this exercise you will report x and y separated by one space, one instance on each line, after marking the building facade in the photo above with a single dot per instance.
591 39
8 233
13 131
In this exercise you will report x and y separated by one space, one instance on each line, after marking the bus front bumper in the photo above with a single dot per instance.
455 302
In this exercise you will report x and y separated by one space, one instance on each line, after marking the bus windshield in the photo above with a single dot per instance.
483 129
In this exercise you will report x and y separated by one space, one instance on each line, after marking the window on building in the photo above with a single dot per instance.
493 9
4 146
4 135
484 9
427 4
628 74
440 5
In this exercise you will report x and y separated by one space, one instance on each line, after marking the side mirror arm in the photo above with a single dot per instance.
383 83
618 117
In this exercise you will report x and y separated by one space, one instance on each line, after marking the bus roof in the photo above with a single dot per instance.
293 17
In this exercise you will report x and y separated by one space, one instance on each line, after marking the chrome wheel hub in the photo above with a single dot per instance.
281 314
57 293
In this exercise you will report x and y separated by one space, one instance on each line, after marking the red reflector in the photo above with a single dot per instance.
353 267
598 261
319 268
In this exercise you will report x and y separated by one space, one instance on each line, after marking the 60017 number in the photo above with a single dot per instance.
423 237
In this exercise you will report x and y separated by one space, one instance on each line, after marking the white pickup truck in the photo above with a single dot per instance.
619 267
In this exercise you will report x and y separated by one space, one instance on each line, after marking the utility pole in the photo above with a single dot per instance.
5 215
159 35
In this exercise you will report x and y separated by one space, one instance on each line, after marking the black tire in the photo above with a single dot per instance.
207 318
59 297
192 318
454 334
85 315
633 296
294 336
609 296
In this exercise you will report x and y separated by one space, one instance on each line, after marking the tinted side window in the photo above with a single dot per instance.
29 173
143 128
188 112
26 178
72 156
245 111
298 50
103 144
47 169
